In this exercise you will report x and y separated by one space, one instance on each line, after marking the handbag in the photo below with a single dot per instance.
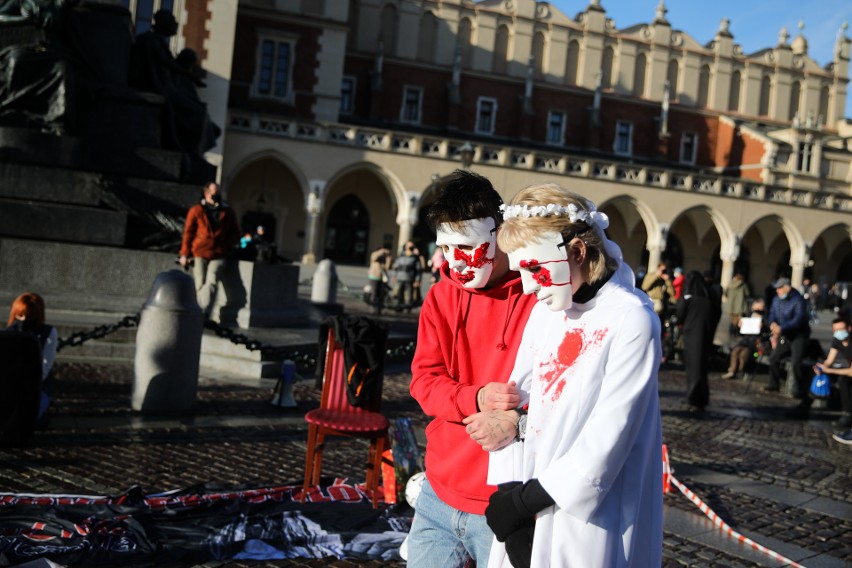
820 386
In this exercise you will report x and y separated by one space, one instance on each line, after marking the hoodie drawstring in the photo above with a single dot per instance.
510 308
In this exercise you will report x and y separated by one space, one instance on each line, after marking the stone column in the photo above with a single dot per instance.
313 208
798 261
657 245
729 253
406 220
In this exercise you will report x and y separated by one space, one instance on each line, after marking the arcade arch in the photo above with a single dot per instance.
360 213
629 226
694 240
831 256
266 191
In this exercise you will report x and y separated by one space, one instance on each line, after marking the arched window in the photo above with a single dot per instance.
465 37
501 50
539 42
734 93
426 37
824 98
572 62
765 95
703 86
671 77
389 21
639 75
607 67
795 97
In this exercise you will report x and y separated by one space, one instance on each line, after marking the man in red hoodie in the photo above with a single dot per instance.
470 327
209 236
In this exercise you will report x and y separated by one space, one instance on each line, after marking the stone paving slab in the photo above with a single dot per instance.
784 483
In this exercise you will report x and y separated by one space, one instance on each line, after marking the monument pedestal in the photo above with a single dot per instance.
258 295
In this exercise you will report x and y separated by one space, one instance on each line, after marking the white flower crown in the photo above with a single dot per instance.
574 213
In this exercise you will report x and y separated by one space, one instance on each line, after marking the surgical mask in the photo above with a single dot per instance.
784 295
841 335
470 252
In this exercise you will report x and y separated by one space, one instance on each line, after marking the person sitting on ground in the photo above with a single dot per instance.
747 345
27 315
839 362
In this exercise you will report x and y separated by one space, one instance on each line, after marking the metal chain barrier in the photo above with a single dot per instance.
306 359
98 332
303 359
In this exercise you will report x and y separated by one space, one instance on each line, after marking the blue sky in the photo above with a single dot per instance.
754 23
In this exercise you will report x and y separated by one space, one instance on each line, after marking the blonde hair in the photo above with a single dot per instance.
518 232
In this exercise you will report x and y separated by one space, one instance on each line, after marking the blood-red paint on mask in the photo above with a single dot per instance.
479 258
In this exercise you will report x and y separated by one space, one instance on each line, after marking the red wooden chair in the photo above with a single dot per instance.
337 417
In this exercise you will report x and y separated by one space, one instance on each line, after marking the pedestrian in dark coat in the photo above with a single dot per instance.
696 310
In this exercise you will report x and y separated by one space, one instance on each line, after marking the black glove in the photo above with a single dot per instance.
519 546
514 503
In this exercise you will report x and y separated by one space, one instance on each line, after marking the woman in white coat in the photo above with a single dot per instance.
582 484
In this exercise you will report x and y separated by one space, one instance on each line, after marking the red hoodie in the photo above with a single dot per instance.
466 339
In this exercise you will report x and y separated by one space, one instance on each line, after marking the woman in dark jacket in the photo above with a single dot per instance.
696 312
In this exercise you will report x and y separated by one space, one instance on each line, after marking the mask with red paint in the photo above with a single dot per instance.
469 252
545 271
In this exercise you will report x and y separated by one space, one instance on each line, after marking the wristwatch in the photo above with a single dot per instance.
521 427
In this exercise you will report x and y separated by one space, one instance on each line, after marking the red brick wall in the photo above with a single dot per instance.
737 148
304 62
195 30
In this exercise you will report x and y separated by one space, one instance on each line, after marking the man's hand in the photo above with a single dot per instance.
498 396
183 260
494 429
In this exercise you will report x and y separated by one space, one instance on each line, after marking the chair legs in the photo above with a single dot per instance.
374 467
313 463
309 461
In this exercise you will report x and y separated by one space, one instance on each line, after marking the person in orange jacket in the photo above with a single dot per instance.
209 236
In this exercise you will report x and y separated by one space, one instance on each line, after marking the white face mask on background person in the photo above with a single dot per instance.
470 253
545 271
841 335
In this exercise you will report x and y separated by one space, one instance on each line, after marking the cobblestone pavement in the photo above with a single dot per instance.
784 483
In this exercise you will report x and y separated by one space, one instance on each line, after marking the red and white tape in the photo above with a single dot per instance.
711 514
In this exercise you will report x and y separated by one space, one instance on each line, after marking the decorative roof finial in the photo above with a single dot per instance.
783 36
661 13
724 26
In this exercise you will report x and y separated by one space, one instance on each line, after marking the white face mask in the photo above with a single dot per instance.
470 253
545 271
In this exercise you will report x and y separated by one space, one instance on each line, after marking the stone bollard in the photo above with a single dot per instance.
324 290
168 346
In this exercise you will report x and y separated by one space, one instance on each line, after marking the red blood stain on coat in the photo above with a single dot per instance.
573 345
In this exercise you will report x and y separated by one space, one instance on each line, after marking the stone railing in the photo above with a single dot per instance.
540 161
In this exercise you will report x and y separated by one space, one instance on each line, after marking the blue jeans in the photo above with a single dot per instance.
443 537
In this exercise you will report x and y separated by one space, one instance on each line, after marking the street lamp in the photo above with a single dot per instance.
466 152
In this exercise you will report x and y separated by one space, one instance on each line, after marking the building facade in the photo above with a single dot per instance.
343 116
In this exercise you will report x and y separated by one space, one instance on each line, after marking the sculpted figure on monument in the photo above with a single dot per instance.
37 87
186 125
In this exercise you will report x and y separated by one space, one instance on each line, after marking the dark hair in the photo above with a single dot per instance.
464 196
840 319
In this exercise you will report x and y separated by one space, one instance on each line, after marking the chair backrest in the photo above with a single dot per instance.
334 381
